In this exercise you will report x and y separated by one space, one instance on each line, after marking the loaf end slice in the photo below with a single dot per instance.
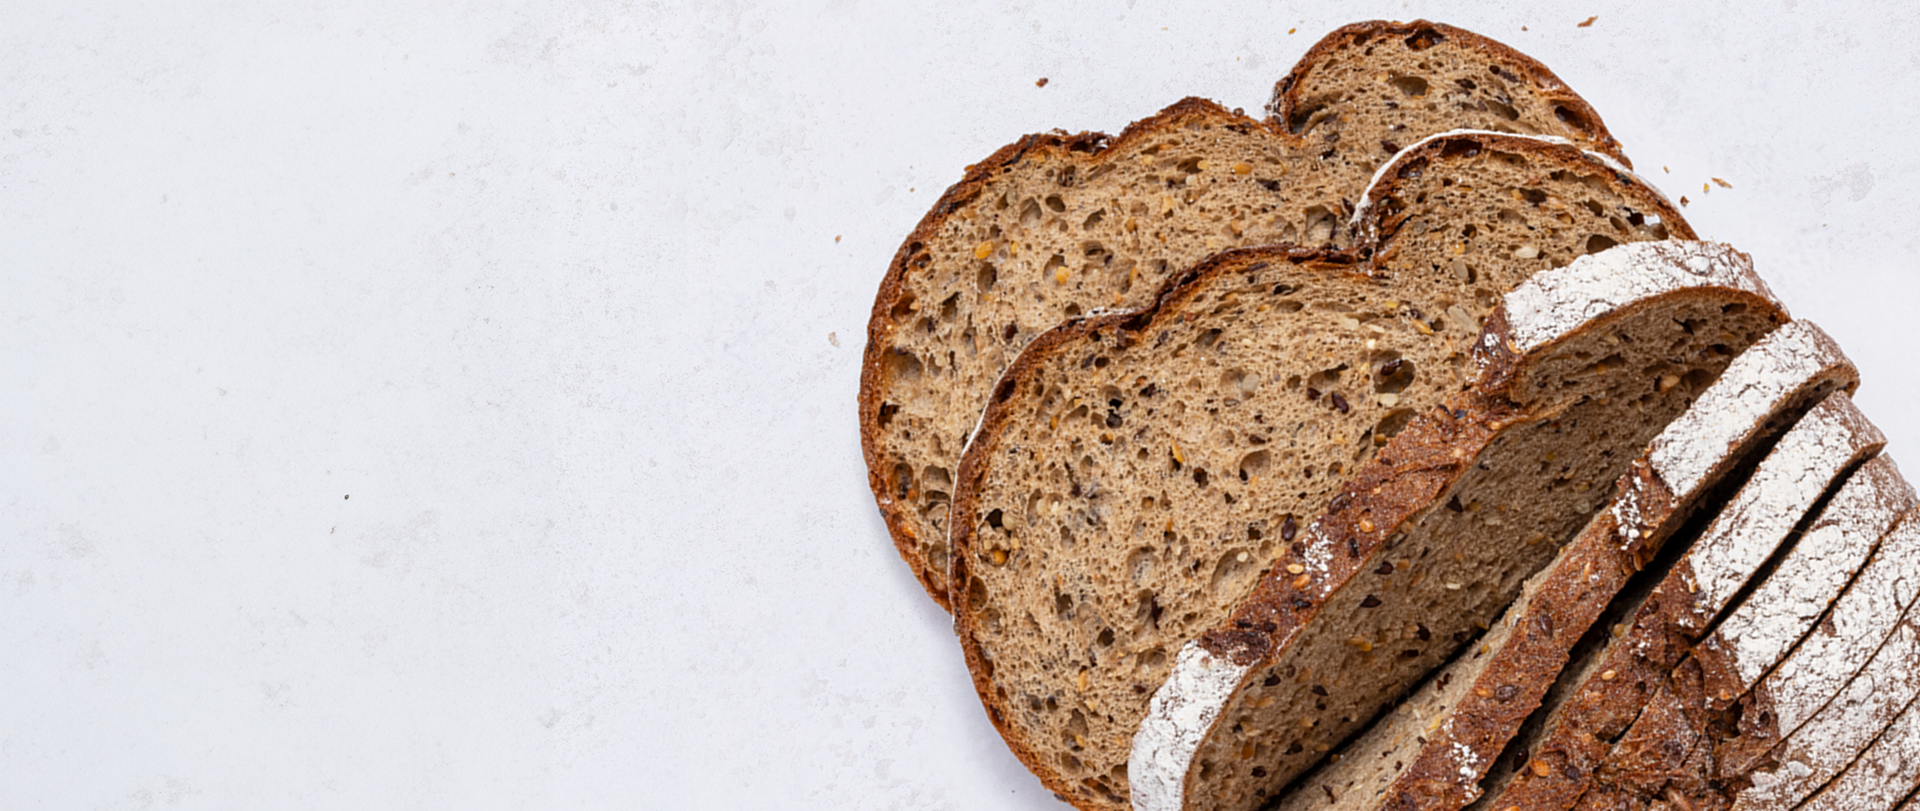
1440 530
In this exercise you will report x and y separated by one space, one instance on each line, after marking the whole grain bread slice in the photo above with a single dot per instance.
1055 226
1596 699
1432 750
1284 372
1435 535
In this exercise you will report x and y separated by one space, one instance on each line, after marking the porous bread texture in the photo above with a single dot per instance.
1429 541
1599 696
1379 354
1431 751
1054 226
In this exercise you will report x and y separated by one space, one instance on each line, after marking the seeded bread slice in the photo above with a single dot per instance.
1431 752
1595 700
1436 534
1055 226
1764 628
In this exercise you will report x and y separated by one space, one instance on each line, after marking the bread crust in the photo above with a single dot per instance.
1093 148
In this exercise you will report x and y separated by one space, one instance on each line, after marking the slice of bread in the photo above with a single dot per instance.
1429 541
1055 226
1597 698
1259 381
1432 750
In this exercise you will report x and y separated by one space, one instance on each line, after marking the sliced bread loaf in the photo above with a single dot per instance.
1055 226
1597 698
1762 630
1258 382
1429 541
1890 769
1432 750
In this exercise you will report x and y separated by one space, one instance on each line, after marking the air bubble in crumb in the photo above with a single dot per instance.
833 338
1589 22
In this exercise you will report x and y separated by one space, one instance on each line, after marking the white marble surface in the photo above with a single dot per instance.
453 407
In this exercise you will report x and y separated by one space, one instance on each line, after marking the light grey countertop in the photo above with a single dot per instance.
453 407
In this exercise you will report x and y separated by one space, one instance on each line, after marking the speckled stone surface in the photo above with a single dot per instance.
453 407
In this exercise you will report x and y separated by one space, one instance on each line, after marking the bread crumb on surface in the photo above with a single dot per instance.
1041 83
836 239
1683 199
1589 22
833 338
1722 184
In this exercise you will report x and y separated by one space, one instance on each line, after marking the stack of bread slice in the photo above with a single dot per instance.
1400 450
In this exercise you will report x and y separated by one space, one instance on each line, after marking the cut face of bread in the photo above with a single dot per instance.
1431 751
1428 542
1056 226
1597 697
1141 462
1888 771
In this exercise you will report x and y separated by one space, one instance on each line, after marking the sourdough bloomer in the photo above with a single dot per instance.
1435 536
1056 226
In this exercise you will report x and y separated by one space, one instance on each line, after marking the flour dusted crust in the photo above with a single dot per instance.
1484 697
1888 771
1604 698
962 297
1864 617
1405 479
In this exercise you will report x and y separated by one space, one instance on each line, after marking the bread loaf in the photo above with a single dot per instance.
1597 698
1056 226
1432 750
1434 537
1132 463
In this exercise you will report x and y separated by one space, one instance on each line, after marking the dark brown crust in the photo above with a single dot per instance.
1577 113
1094 147
1642 665
1125 328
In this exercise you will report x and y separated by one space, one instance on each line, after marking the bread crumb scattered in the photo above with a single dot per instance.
1704 188
1683 199
1041 83
1589 22
836 239
1723 184
1665 169
1523 28
1291 30
833 338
